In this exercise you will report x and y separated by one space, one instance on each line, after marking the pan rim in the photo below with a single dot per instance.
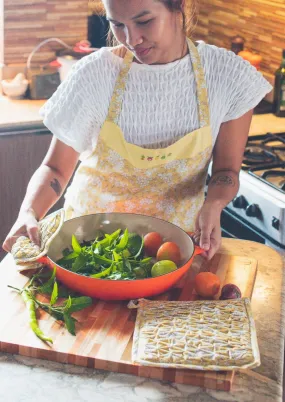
126 280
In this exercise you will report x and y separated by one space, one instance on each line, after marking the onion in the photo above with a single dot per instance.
230 291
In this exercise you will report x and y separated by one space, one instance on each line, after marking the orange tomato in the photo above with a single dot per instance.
169 251
255 60
207 284
245 54
152 242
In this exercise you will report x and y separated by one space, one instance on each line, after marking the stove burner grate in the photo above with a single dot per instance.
279 138
275 173
259 154
270 171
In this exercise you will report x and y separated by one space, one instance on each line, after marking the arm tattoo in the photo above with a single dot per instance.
223 181
56 186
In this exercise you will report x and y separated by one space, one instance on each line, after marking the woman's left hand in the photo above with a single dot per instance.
208 229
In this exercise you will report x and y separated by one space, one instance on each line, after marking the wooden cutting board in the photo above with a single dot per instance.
104 330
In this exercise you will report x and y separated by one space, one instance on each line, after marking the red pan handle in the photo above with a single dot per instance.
197 250
43 260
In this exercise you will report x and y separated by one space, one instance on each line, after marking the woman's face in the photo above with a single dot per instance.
147 28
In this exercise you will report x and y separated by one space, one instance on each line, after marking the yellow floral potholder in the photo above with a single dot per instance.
202 335
26 253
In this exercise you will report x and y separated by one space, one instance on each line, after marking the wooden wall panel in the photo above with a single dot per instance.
28 22
260 22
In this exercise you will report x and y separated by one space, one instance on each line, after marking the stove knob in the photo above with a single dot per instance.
253 210
275 223
240 202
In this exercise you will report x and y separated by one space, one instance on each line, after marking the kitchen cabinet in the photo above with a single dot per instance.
21 153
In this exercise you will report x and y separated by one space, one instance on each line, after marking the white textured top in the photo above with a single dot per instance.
159 104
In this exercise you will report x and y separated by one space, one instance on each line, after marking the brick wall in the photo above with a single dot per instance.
260 22
28 22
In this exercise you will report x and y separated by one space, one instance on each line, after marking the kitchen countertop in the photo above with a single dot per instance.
19 113
264 123
27 379
23 113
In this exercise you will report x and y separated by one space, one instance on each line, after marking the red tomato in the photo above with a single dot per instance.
152 242
169 251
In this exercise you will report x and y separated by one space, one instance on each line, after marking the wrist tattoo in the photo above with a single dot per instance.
223 181
56 186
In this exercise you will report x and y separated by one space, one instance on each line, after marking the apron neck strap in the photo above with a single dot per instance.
202 96
117 97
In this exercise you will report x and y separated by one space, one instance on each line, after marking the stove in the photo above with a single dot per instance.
258 211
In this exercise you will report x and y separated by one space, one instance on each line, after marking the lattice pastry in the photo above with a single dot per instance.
202 335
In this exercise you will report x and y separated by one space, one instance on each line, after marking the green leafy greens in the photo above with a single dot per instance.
117 256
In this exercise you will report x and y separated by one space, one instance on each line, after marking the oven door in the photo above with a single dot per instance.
235 227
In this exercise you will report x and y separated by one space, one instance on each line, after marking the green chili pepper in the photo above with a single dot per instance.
59 311
31 306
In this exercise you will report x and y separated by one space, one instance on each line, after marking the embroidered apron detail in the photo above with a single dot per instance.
122 177
144 158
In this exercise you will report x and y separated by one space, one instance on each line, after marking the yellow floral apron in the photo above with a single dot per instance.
121 177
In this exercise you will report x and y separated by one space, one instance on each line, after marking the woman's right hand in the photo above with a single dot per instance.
25 225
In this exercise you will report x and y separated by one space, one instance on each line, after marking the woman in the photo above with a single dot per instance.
146 118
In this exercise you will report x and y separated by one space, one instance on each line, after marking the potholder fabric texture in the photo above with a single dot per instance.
26 253
203 335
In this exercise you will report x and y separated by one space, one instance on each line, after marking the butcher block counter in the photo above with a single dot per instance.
28 379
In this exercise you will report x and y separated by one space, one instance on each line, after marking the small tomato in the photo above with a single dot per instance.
169 251
152 242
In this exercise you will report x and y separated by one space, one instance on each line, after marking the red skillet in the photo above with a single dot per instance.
87 227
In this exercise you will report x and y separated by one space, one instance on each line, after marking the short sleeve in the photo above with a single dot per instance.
242 86
73 112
